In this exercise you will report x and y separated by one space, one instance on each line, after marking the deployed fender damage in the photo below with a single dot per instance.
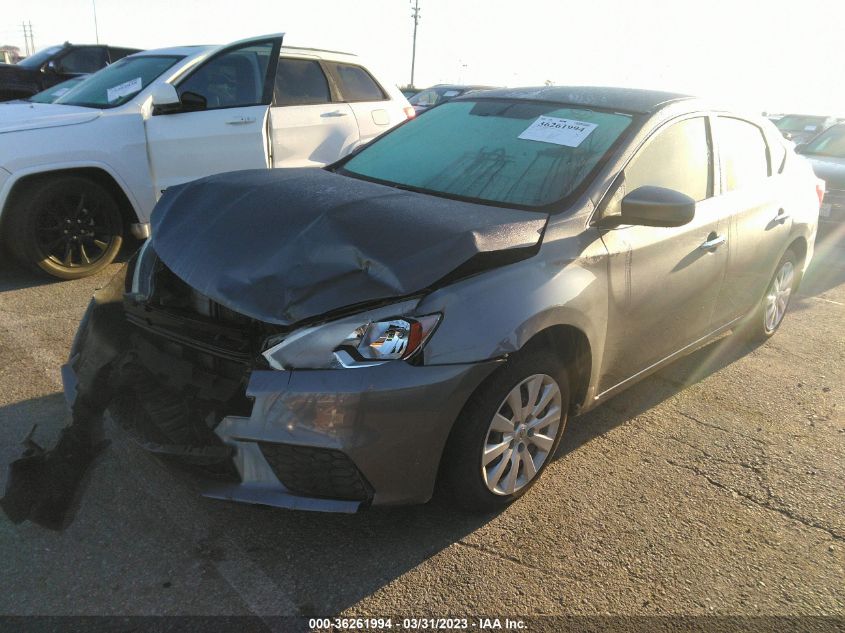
252 243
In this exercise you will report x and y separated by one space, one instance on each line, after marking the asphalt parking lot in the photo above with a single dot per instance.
713 487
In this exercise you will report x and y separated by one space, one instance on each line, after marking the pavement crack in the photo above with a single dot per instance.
514 559
811 523
723 429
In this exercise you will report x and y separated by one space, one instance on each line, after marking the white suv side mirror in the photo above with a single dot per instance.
165 98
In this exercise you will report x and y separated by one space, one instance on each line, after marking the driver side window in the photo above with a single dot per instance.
234 79
677 157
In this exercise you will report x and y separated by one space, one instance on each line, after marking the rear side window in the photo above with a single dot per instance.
356 84
301 82
676 158
743 153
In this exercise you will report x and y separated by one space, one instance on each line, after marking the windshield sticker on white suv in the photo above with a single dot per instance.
549 129
126 88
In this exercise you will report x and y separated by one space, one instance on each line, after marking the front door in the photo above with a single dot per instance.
663 281
222 125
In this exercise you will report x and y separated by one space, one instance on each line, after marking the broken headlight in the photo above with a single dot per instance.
340 344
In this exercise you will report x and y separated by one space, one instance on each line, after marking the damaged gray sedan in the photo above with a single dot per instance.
428 312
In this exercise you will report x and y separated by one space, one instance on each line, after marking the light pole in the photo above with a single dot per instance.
416 16
96 30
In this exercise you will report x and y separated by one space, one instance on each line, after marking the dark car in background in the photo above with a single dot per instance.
441 93
54 65
800 128
826 152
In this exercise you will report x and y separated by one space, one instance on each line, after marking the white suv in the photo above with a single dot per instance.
76 173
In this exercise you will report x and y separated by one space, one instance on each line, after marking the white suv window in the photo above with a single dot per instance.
301 82
356 84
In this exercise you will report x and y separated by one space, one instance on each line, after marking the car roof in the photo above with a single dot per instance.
623 99
177 50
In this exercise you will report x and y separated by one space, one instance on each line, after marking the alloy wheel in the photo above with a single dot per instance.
521 434
74 230
777 297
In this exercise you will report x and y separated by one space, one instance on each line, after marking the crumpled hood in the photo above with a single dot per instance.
286 245
15 117
830 169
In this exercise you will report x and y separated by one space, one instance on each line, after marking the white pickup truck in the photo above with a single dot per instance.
76 173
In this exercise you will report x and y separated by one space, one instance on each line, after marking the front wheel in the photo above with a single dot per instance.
767 317
69 227
507 434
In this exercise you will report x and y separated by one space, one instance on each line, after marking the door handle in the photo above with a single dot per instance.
782 216
240 120
713 241
332 114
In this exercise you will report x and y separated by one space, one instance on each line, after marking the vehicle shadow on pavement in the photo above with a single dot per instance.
655 389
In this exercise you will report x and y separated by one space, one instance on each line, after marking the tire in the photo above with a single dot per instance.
768 315
69 227
464 479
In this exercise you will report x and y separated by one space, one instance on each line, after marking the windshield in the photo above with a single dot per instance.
39 58
114 85
511 152
51 94
433 96
828 143
798 123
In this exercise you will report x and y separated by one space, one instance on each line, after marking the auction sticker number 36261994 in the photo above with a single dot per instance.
549 129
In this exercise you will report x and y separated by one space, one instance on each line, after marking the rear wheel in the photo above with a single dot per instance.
69 227
507 433
767 317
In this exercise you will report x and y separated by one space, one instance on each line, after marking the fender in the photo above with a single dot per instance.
17 176
511 305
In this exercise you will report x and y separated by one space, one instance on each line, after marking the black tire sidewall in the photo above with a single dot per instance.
21 226
461 480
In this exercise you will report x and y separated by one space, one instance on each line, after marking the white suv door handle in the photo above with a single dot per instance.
335 113
240 120
713 242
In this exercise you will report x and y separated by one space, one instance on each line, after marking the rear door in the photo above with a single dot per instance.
223 122
664 281
369 101
760 224
309 126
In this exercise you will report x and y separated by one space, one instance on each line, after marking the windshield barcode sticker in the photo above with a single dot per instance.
126 88
549 129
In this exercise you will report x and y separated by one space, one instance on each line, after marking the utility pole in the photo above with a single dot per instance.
96 30
29 43
416 16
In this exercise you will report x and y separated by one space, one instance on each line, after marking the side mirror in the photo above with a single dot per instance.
657 206
52 66
193 102
165 99
799 149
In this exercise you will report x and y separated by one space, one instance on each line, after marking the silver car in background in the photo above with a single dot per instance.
433 308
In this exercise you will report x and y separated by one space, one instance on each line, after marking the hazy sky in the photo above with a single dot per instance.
775 56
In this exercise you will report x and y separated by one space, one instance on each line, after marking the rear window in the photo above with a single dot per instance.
512 152
743 153
356 84
301 82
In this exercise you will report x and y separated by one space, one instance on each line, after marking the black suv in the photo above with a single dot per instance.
54 65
